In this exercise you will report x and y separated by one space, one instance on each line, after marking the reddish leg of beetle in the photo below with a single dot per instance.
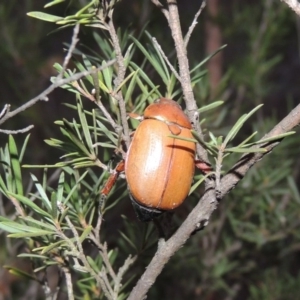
112 179
204 167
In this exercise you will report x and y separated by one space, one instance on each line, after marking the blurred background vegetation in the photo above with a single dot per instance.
251 248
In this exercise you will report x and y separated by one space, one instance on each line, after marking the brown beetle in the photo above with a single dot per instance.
159 169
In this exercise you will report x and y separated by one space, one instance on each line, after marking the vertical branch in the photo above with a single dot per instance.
184 71
68 283
120 78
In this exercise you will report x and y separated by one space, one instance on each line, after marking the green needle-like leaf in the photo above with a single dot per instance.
20 273
30 203
238 125
85 233
245 150
210 106
273 138
84 125
44 17
42 192
15 164
30 234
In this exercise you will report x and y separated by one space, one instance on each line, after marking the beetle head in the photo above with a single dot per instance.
167 110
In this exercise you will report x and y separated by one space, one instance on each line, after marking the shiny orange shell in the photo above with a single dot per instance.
159 169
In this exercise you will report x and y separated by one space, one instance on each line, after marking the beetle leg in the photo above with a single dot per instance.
112 180
135 116
204 167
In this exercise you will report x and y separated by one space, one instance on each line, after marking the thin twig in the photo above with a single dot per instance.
205 207
161 7
194 23
77 252
294 5
83 257
68 283
218 170
108 117
158 47
74 41
128 262
17 131
120 77
103 250
5 110
57 83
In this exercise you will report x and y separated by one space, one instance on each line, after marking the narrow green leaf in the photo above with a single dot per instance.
107 132
84 125
107 77
43 16
72 136
146 78
53 3
92 263
8 227
195 185
75 187
131 86
125 80
207 59
210 106
48 226
244 143
20 273
15 164
245 150
84 164
128 240
205 145
15 227
273 138
24 148
85 233
213 138
42 192
60 188
162 63
154 62
29 203
30 234
238 125
90 4
182 138
31 255
51 246
54 205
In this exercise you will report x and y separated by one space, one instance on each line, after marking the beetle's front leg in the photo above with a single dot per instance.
111 181
204 167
